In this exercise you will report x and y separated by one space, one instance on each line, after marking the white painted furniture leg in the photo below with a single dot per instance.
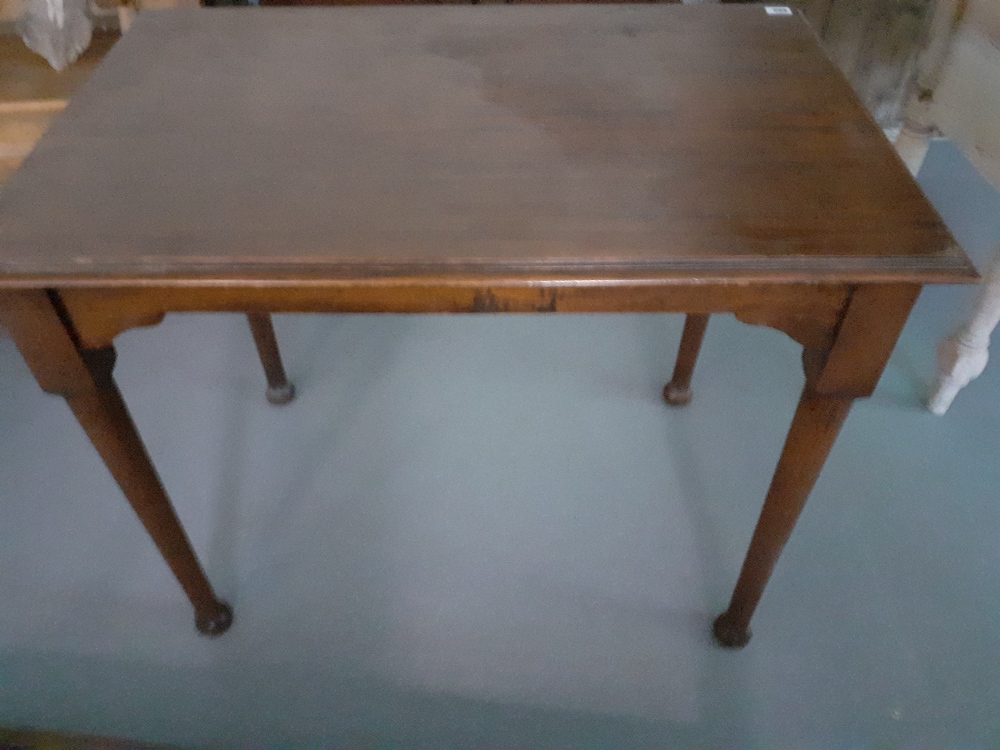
914 137
912 144
126 13
962 356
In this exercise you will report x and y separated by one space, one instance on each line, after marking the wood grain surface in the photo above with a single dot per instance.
574 140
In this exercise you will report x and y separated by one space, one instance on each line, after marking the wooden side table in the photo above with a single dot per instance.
492 159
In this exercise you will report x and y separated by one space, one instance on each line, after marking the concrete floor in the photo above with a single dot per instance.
490 532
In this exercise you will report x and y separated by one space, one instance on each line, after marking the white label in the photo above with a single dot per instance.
778 10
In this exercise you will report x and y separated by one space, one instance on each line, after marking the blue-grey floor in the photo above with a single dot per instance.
490 532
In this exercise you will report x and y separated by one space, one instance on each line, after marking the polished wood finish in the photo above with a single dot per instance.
598 158
809 313
582 141
279 390
83 377
678 391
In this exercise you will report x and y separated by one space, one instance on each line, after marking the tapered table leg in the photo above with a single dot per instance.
678 391
279 390
105 418
83 378
850 368
814 429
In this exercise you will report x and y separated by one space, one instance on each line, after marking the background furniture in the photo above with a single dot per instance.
962 357
957 94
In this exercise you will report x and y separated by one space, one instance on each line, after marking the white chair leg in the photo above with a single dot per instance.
911 144
962 356
918 121
127 10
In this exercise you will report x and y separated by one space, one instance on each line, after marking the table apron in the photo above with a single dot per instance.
808 312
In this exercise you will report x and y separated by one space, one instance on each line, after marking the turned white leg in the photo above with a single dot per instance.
962 356
918 122
127 10
126 15
912 144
